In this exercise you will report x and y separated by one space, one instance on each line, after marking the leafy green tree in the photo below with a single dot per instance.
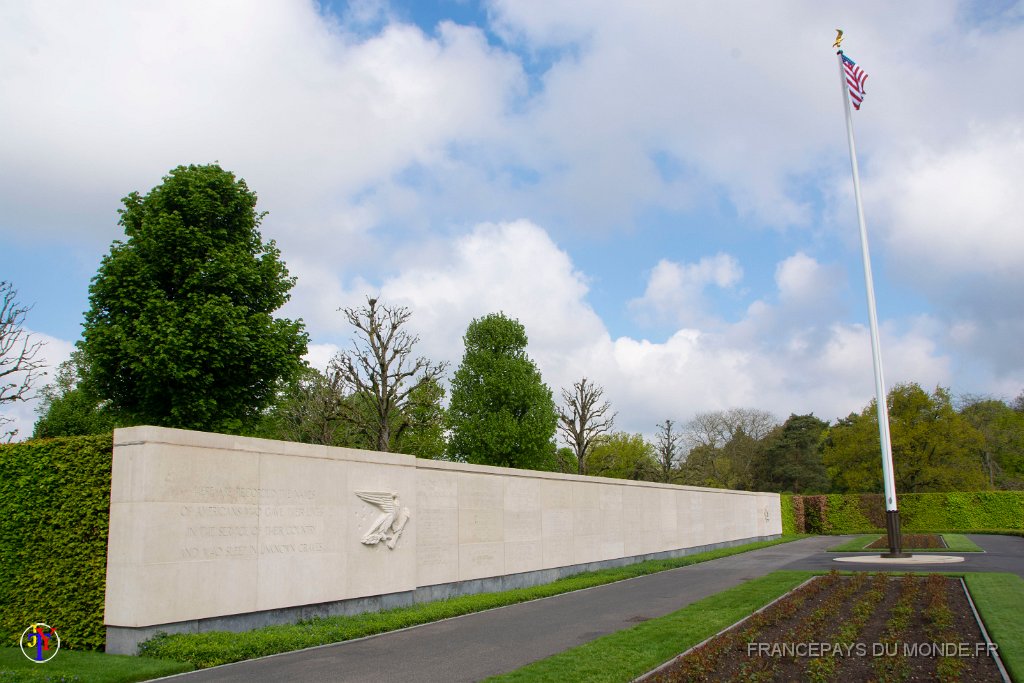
934 448
791 458
307 409
1002 429
501 411
704 466
421 432
623 456
724 445
180 331
725 467
565 461
67 408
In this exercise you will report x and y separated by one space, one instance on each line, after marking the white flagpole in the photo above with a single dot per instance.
888 479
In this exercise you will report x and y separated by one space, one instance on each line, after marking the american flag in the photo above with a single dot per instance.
855 78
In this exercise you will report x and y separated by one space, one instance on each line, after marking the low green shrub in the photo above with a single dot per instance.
959 511
788 515
54 509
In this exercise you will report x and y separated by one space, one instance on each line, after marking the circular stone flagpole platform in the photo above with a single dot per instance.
913 559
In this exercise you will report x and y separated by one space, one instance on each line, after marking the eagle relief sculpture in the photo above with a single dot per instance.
388 527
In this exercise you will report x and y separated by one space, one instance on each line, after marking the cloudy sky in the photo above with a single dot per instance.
659 191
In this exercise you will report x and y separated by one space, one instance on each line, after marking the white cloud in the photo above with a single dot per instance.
950 221
303 110
675 291
958 210
319 355
518 269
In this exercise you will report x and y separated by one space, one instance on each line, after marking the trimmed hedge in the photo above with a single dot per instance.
54 512
863 512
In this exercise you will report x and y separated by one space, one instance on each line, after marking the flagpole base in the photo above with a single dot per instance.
892 527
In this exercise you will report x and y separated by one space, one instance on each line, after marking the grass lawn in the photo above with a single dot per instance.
958 543
87 667
999 598
627 654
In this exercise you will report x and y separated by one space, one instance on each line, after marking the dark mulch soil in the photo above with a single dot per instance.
843 628
912 542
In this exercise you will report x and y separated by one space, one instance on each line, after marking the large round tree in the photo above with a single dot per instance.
180 330
501 411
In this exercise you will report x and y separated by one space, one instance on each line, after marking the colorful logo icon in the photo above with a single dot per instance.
40 643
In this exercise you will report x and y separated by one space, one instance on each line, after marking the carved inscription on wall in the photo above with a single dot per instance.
257 522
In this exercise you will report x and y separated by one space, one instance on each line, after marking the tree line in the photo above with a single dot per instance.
181 332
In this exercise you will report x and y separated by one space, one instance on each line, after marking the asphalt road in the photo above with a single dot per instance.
476 646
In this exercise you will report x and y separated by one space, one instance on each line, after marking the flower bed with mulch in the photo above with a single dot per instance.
865 627
911 542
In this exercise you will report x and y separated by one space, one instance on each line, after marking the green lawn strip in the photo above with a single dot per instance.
88 667
1000 600
855 544
624 655
957 543
221 647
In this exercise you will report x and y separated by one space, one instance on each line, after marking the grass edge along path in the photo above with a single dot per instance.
624 655
85 667
957 543
222 647
998 599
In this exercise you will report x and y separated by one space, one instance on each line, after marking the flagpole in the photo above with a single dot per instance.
892 514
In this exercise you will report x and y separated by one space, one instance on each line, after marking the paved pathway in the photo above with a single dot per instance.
479 645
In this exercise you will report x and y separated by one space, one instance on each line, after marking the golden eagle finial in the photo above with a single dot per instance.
839 39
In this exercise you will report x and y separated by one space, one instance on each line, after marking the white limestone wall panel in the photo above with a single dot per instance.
557 517
586 525
304 540
610 528
481 525
378 569
523 525
437 537
667 517
682 510
713 522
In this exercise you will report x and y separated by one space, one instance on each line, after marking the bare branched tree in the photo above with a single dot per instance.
381 370
583 418
20 365
666 451
717 428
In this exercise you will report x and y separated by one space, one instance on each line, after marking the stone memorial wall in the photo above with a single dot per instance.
209 531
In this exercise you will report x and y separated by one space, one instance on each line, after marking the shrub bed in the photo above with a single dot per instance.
856 628
54 510
975 511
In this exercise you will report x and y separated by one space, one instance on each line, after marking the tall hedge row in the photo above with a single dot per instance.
54 510
857 512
